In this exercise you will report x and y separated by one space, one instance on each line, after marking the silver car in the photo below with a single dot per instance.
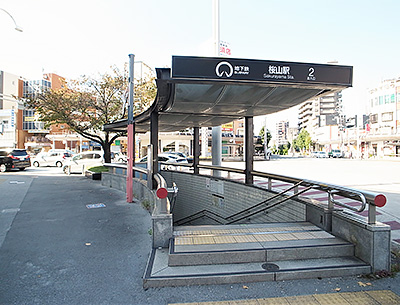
51 158
83 161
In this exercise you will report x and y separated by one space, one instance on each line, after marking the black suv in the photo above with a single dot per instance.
16 158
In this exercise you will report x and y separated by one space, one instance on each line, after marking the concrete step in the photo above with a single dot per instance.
160 274
253 243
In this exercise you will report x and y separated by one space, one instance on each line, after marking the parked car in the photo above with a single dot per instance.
119 157
14 158
83 161
182 155
51 158
168 157
336 153
322 154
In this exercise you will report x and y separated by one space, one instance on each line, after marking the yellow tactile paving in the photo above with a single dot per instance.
244 302
285 236
303 235
245 239
248 235
265 237
223 231
183 241
215 303
379 297
273 301
225 239
331 299
302 300
203 240
358 298
385 297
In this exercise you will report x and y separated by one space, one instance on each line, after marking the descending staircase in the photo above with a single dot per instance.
201 255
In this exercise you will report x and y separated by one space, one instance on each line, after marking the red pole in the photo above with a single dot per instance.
131 158
131 133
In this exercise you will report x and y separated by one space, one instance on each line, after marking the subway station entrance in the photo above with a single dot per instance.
214 224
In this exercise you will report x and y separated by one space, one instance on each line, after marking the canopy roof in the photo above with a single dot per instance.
206 92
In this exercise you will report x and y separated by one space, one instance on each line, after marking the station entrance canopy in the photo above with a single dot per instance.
206 92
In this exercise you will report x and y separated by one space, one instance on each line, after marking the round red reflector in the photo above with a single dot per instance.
380 200
162 193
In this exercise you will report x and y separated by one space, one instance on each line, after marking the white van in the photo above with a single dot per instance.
54 157
83 161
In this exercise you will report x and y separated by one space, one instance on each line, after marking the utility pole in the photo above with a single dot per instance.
216 146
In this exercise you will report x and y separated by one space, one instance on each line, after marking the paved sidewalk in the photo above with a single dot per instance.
55 250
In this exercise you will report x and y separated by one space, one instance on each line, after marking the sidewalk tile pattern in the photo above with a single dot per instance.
248 235
378 297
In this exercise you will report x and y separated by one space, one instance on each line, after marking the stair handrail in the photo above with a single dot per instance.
204 212
372 199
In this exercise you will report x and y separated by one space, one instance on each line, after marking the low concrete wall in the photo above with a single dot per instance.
140 191
372 242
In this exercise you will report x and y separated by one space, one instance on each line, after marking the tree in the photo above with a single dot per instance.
262 134
303 140
85 105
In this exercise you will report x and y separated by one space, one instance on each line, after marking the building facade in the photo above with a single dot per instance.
21 127
323 111
321 117
382 135
11 111
282 133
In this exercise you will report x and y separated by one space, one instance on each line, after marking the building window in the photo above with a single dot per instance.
374 118
381 100
387 99
387 116
392 98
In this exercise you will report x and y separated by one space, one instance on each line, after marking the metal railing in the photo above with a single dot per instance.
365 198
245 213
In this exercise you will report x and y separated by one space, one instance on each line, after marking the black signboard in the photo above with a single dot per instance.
215 68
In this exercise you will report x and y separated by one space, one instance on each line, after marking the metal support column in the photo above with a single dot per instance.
196 150
216 149
154 142
249 149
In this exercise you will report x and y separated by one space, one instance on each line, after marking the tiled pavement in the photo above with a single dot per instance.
323 197
382 297
248 234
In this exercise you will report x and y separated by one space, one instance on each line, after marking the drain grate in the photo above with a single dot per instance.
270 267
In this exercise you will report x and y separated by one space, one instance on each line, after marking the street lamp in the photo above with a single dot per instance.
17 27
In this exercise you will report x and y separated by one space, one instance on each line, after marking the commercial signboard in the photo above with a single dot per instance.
227 127
215 68
225 49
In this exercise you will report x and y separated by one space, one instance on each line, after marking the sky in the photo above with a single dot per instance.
86 37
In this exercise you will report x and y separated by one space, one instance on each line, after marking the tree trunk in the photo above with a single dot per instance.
107 152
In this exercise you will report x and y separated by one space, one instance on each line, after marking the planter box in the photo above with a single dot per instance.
93 175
